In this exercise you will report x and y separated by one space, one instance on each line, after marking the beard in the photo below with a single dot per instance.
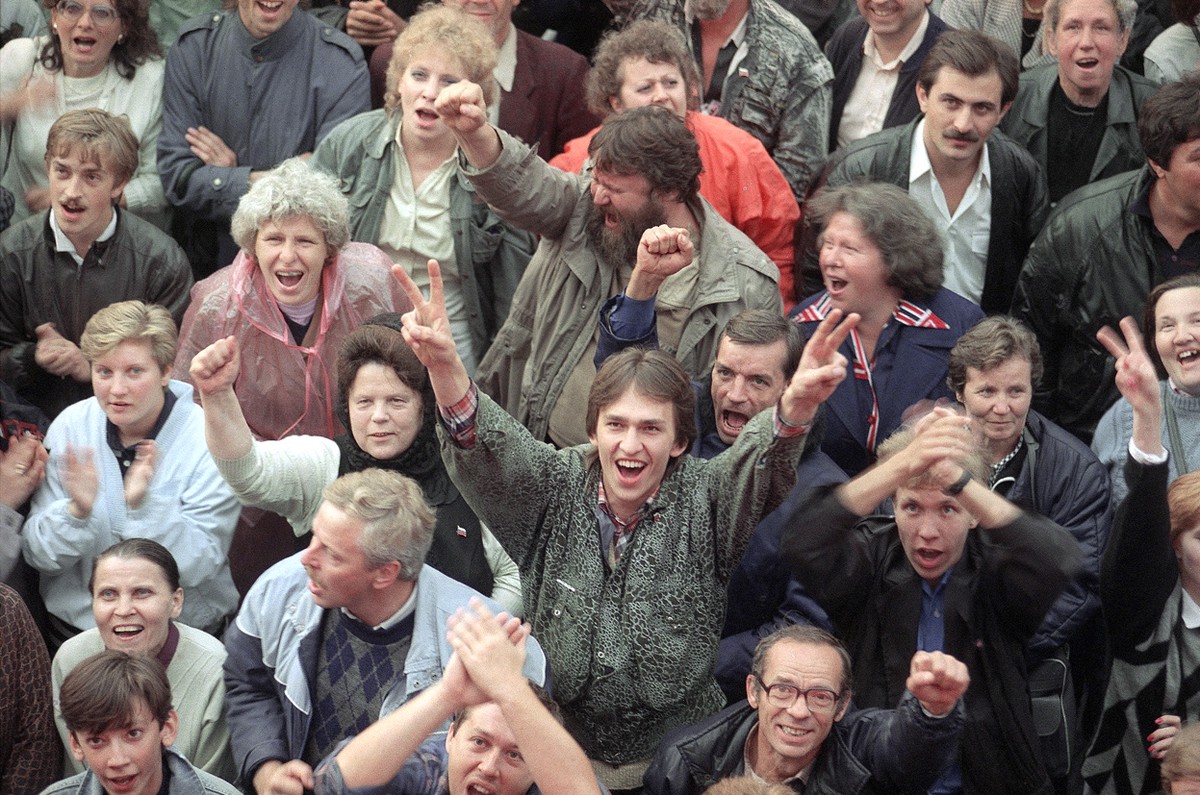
617 248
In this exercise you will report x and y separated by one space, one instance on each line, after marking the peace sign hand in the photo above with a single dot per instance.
427 332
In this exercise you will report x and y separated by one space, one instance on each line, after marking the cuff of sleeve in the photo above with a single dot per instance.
1144 458
631 318
786 430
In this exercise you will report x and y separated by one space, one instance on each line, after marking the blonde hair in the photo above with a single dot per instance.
451 33
131 320
397 521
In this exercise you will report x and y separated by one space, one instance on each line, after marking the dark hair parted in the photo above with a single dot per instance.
764 327
1170 117
657 42
140 549
990 343
102 692
974 54
808 635
378 342
136 45
908 241
650 142
1150 312
652 374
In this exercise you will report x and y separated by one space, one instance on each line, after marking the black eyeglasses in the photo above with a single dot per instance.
102 16
782 696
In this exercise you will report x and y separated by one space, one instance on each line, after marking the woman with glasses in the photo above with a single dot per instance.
99 54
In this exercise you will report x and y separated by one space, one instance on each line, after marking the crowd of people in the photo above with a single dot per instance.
776 396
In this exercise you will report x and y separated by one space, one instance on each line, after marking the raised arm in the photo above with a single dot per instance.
820 371
462 108
214 371
427 332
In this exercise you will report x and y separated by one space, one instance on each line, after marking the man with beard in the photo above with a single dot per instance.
984 192
701 270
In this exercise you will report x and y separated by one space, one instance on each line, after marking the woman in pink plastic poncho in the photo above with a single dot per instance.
294 292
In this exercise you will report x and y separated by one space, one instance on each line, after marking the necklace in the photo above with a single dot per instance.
999 466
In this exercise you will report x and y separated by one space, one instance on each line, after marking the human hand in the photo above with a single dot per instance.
57 355
37 199
491 648
1161 738
663 251
22 469
80 480
137 479
208 146
820 371
283 778
1136 378
937 680
371 23
216 367
462 108
427 326
942 443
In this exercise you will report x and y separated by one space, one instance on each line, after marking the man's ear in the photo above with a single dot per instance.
170 729
76 748
752 690
386 574
845 705
1003 112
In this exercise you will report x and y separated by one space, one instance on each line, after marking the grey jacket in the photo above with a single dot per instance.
553 316
781 93
632 650
489 255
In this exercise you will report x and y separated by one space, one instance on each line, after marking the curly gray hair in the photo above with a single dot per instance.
293 190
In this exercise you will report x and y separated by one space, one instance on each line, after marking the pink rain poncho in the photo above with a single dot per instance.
287 389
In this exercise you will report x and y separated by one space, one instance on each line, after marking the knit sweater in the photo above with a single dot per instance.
1111 442
197 693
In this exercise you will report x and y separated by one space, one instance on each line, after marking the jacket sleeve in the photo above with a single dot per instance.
253 711
903 748
286 476
171 283
1044 291
1082 509
526 191
212 191
1139 571
608 343
803 141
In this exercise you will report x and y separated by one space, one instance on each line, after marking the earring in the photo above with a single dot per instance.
54 27
120 38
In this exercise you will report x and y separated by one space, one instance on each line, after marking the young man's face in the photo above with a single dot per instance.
127 760
960 113
933 530
82 193
635 439
484 757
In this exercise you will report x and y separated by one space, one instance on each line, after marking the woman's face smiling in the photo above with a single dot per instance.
133 604
292 253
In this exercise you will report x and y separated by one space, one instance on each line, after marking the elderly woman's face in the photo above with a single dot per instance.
291 253
1177 336
87 31
853 268
1088 42
385 413
133 604
645 83
997 401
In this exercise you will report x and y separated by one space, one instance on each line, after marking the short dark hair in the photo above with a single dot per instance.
379 341
651 373
543 698
650 142
1170 117
974 54
143 549
764 327
1149 321
805 634
658 42
101 692
990 343
907 239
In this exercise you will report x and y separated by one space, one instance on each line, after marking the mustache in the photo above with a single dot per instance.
955 135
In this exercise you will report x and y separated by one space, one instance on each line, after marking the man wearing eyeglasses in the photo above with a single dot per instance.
797 727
